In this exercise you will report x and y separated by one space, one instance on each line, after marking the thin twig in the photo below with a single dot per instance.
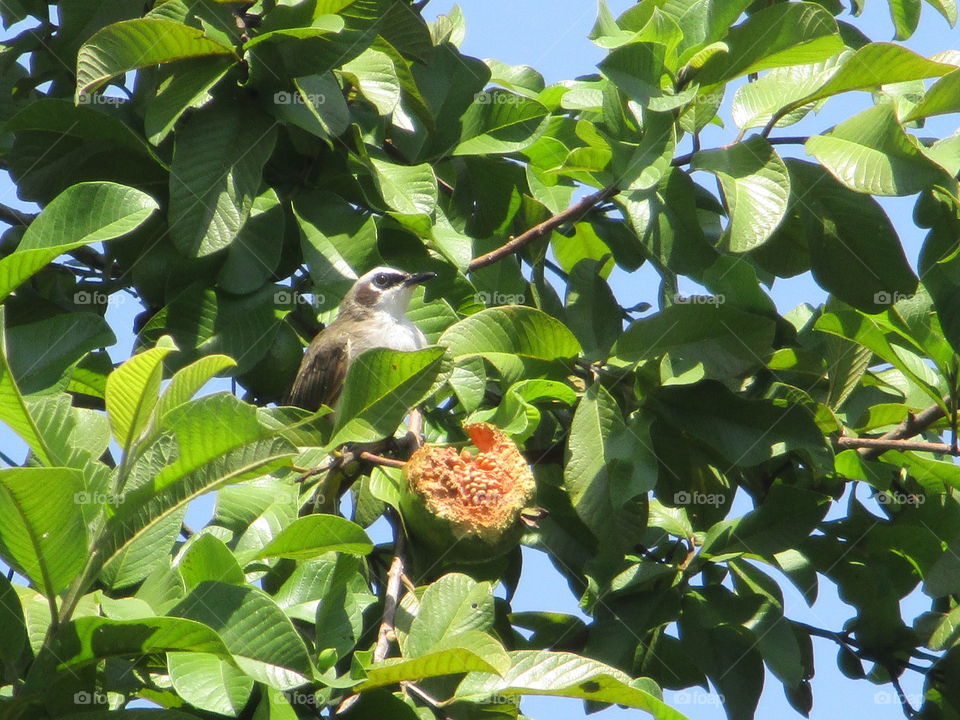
879 446
791 140
12 216
515 244
391 598
871 448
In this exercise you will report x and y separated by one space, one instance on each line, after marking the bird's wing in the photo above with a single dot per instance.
322 371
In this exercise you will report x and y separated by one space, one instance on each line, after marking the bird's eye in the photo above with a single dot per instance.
382 280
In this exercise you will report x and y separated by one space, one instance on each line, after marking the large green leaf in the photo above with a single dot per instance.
848 230
312 536
727 341
500 122
775 36
14 411
215 175
450 606
407 190
564 674
186 85
871 153
261 639
381 387
873 65
82 214
209 682
609 465
42 532
89 640
132 392
510 335
744 432
469 651
219 440
133 44
755 186
943 97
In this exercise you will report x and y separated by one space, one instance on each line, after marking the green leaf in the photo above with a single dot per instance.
312 536
609 465
208 682
13 630
82 214
563 674
188 381
95 638
450 606
133 390
42 532
499 122
219 440
725 340
756 103
943 97
407 190
846 229
374 75
755 186
774 36
215 175
139 43
871 153
786 517
906 17
739 428
468 651
180 90
870 333
380 389
208 558
510 335
261 639
13 410
873 65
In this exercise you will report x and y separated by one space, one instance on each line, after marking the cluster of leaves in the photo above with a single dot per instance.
265 152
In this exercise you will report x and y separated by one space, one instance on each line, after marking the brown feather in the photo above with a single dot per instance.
322 372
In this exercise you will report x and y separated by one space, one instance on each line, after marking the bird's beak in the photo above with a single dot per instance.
418 278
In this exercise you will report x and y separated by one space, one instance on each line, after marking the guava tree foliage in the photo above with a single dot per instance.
228 169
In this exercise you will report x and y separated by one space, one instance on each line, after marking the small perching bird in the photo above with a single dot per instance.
372 315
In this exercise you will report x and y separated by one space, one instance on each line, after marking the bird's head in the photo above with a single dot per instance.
383 289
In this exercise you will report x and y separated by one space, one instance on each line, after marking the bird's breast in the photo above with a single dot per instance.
389 333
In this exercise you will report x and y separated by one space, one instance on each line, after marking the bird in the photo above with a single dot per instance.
373 314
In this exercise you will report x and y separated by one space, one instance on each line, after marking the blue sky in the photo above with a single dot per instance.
551 35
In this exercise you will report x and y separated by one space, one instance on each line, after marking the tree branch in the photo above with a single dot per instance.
515 244
14 217
896 439
391 598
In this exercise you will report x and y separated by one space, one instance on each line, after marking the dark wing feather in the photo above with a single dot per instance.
322 372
